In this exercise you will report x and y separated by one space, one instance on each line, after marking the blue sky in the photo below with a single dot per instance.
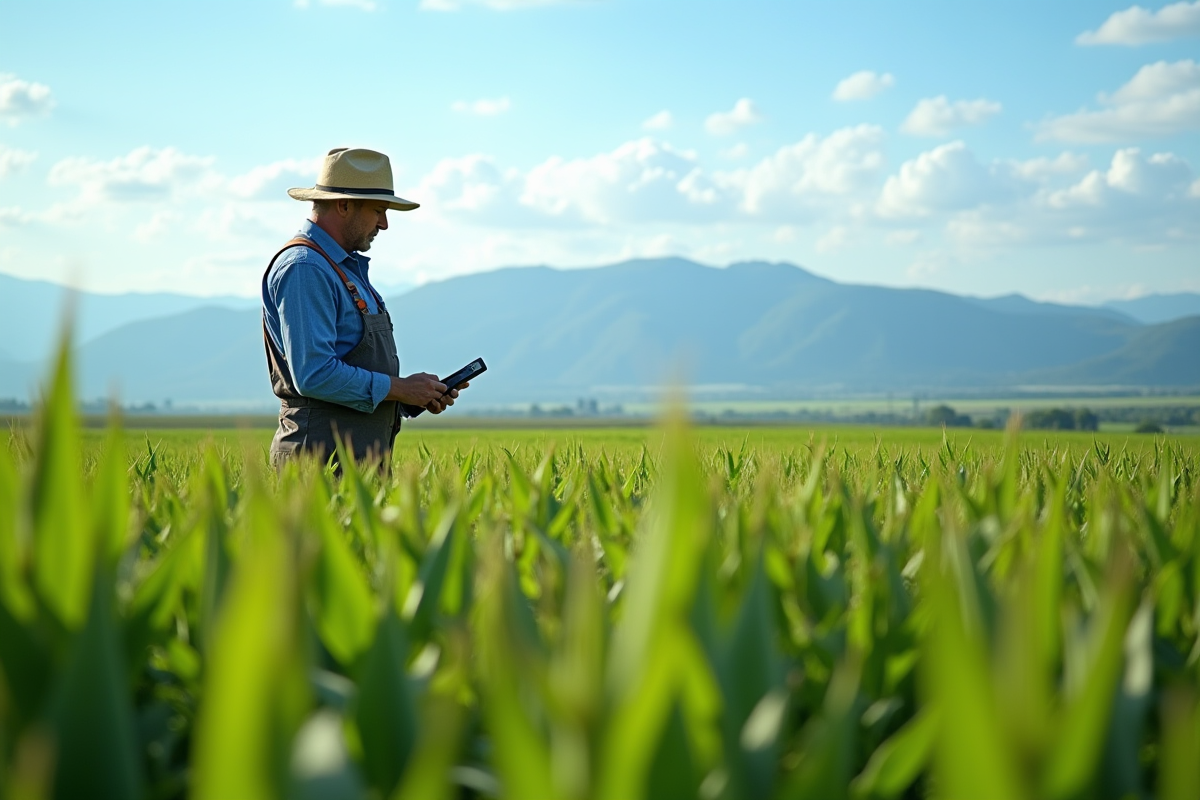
1043 148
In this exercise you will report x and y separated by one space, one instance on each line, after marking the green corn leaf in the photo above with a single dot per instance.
972 758
255 689
345 611
385 711
827 745
508 652
1084 722
429 774
1178 777
25 660
14 587
96 751
897 763
63 552
421 603
110 497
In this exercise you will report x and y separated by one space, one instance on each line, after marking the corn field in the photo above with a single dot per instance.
832 622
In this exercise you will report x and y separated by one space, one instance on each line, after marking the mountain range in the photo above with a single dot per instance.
752 329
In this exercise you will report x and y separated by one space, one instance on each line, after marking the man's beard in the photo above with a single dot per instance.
361 242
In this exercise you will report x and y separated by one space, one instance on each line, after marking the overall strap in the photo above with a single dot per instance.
359 303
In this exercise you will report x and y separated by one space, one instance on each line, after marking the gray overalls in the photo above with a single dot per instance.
308 424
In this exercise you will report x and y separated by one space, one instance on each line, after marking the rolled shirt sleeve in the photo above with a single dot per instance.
309 302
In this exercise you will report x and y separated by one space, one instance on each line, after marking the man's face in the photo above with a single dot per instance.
366 220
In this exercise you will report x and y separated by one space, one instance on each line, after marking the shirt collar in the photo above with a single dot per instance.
325 241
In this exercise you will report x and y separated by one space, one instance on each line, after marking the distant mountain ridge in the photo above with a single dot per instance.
1152 309
31 313
553 335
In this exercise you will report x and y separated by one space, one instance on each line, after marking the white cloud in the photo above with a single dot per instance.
21 99
743 113
648 181
1162 175
947 178
659 122
641 180
159 175
1043 169
144 174
13 160
361 5
271 181
1138 199
862 85
483 107
473 188
937 116
1160 100
811 173
494 5
1136 25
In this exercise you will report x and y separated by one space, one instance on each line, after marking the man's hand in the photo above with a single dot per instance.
445 401
420 389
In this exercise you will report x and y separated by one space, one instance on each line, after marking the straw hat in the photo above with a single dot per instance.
355 175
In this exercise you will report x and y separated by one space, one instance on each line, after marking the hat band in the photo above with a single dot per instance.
347 190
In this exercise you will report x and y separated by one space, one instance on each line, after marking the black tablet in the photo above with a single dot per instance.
452 381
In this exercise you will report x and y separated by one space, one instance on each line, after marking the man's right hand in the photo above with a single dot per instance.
418 390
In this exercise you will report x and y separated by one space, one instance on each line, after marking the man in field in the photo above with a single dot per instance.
330 351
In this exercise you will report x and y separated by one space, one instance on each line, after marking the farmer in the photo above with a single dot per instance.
330 351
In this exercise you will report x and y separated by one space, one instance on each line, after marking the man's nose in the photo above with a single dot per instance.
382 224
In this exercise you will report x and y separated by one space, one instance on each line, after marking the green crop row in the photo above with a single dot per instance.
715 622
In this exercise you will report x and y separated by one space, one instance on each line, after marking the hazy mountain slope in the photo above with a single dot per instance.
1155 308
1159 355
206 354
763 324
31 313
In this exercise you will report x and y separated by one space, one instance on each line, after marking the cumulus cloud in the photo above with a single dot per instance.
659 122
640 180
483 107
13 160
862 85
937 116
649 181
1160 100
1138 198
147 174
947 178
1042 169
1136 25
144 174
20 99
806 175
724 123
472 187
271 181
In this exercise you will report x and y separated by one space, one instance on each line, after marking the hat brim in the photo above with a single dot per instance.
393 202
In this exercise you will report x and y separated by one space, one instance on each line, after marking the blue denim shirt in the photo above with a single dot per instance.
313 321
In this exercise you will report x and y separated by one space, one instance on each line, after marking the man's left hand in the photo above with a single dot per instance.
445 401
